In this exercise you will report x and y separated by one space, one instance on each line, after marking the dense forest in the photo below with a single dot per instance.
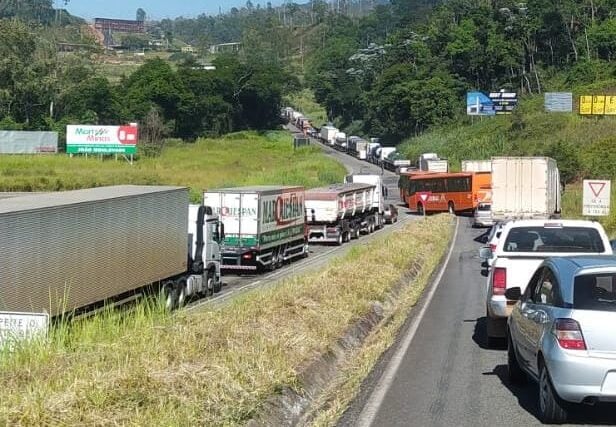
416 73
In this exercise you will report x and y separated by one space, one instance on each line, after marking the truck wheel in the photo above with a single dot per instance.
339 241
169 296
216 284
180 289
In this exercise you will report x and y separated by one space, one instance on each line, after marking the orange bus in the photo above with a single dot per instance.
404 180
453 192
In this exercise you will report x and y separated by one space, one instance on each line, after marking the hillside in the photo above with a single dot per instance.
585 147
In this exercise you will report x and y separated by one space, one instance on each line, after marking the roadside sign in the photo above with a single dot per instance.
596 197
424 196
20 326
87 139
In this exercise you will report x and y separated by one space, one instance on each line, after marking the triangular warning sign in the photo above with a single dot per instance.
596 187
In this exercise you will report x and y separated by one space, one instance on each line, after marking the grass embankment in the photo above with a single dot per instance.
244 158
215 366
304 102
584 147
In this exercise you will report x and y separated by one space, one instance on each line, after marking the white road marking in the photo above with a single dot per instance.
368 413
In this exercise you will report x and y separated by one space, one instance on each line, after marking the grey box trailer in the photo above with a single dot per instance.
264 225
68 250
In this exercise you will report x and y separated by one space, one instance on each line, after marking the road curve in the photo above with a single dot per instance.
447 376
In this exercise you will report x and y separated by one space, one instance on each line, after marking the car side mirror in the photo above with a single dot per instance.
485 253
513 294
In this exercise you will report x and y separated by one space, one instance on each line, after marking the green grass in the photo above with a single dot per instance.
244 158
305 103
215 366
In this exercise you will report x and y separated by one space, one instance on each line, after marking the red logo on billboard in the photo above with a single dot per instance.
128 135
289 207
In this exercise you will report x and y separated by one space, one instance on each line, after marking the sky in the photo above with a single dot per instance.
155 9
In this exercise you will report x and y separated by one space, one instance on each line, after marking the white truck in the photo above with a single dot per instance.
476 165
328 134
522 246
525 187
340 212
378 200
373 152
340 142
362 149
264 226
430 162
75 250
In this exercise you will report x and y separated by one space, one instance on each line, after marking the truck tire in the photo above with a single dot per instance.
180 290
168 295
340 240
216 284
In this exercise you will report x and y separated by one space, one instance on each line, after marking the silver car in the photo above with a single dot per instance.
482 217
561 333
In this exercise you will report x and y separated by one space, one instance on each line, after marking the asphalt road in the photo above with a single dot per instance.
447 376
320 255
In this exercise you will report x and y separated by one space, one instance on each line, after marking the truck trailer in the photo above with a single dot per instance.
340 212
328 134
264 226
476 165
525 187
72 250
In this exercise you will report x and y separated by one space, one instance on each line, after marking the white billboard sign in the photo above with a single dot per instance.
24 142
596 197
20 326
88 139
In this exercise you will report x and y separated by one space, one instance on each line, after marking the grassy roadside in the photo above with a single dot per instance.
212 367
243 158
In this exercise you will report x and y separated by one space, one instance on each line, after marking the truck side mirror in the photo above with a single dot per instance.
485 253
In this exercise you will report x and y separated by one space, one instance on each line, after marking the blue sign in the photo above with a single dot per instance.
479 104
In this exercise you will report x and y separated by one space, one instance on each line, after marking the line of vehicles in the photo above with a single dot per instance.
74 251
550 290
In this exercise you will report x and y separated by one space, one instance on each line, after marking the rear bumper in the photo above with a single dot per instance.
483 222
500 307
578 377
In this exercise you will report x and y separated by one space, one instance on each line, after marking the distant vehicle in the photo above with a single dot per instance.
523 245
391 214
476 165
430 162
106 244
561 335
525 187
449 192
482 217
328 134
264 225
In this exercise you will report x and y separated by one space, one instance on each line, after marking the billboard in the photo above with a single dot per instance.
479 104
90 139
558 102
598 105
21 142
504 102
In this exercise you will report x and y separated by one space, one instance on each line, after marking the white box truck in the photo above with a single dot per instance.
264 225
476 165
525 187
328 134
73 250
340 212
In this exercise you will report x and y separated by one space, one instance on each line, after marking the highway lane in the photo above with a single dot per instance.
447 376
319 254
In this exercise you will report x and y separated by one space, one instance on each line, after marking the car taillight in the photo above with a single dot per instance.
492 247
499 281
569 334
247 255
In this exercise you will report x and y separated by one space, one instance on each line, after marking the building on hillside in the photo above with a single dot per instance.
188 49
225 47
121 25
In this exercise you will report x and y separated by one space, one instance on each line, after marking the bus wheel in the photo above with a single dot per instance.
451 208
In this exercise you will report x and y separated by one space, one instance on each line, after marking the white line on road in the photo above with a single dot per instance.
368 413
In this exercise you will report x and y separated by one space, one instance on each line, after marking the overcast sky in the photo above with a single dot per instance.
156 9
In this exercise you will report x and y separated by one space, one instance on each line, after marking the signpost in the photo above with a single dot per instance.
424 196
596 197
21 326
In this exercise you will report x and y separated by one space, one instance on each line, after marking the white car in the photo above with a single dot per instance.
521 248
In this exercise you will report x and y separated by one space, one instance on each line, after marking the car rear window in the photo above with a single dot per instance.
484 207
595 292
557 239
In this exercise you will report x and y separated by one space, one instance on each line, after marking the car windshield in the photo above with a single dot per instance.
595 292
556 239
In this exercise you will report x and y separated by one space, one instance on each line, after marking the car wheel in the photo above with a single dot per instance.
515 372
493 326
551 407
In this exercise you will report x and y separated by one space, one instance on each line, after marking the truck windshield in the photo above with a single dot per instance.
561 240
595 292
